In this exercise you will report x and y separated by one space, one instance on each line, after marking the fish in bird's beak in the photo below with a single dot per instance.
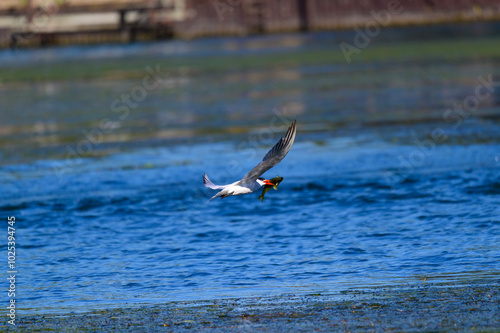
270 183
276 181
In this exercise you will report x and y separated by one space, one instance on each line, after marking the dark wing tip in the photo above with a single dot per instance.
284 142
291 131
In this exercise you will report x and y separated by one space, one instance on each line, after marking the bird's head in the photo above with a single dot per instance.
263 182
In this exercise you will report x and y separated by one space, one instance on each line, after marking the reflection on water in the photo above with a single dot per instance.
368 197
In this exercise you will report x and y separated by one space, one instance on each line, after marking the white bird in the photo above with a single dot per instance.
252 181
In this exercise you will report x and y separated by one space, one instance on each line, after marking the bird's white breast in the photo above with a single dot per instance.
237 188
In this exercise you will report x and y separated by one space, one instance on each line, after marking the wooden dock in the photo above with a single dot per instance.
56 22
25 23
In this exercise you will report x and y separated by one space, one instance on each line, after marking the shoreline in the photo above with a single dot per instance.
414 307
71 24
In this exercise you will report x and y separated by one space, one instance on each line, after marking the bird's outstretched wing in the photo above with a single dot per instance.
274 156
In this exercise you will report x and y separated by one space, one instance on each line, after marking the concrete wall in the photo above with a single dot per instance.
254 16
62 21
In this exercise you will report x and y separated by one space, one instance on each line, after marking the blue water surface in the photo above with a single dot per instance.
369 197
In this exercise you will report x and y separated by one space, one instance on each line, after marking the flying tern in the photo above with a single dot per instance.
252 180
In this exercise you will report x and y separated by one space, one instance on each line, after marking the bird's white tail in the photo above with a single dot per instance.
208 183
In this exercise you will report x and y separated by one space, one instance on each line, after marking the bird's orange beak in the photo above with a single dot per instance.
267 182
